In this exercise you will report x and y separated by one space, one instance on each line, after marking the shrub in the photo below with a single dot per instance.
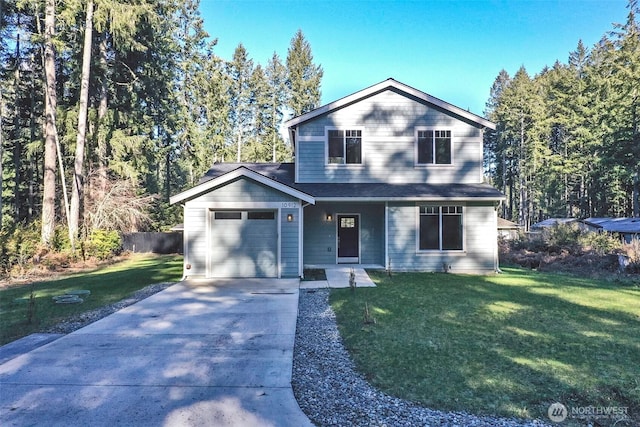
632 250
60 241
563 236
533 242
600 243
103 244
19 244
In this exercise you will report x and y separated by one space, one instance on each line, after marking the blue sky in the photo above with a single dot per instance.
452 50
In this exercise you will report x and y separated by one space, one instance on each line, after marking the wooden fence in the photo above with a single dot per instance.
158 243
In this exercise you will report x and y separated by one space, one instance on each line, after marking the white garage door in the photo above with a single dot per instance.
243 244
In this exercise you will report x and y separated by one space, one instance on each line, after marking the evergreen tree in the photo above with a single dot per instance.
240 70
305 77
276 78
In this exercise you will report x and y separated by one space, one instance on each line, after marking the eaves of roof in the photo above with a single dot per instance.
378 192
281 177
239 172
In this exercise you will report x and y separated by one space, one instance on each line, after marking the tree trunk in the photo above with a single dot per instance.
49 179
636 195
239 146
17 137
33 166
1 154
102 112
77 191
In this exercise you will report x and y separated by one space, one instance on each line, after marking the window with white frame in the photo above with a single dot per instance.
441 228
344 146
434 147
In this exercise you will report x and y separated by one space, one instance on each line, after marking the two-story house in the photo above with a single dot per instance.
388 177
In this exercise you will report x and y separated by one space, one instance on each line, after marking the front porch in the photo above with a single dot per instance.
337 233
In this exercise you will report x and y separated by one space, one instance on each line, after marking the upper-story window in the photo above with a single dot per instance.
344 146
434 147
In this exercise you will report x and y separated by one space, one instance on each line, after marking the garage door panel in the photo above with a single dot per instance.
243 247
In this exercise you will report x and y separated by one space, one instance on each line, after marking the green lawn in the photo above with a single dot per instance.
107 285
509 344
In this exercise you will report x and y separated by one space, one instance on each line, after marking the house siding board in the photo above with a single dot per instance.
289 235
195 241
320 235
480 241
389 120
243 190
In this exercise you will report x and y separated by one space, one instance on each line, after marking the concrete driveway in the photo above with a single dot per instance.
197 353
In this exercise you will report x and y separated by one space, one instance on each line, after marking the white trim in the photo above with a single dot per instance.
185 246
386 236
208 213
384 85
279 241
310 138
241 171
239 205
296 157
409 199
347 260
300 241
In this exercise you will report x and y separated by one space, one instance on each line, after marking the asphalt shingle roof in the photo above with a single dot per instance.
285 174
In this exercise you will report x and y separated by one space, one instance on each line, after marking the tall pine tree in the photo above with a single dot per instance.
305 77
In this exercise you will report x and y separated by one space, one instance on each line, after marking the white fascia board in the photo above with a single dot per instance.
409 199
390 83
242 171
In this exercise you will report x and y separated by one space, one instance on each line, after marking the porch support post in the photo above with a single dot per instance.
301 239
386 236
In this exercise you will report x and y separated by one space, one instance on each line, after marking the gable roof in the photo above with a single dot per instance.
239 171
386 85
507 225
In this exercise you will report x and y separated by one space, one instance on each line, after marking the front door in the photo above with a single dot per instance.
348 239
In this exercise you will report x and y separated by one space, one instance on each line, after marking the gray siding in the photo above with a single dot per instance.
389 120
195 242
242 195
480 226
289 238
320 235
244 190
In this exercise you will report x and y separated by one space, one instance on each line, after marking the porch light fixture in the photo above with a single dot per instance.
289 217
329 217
